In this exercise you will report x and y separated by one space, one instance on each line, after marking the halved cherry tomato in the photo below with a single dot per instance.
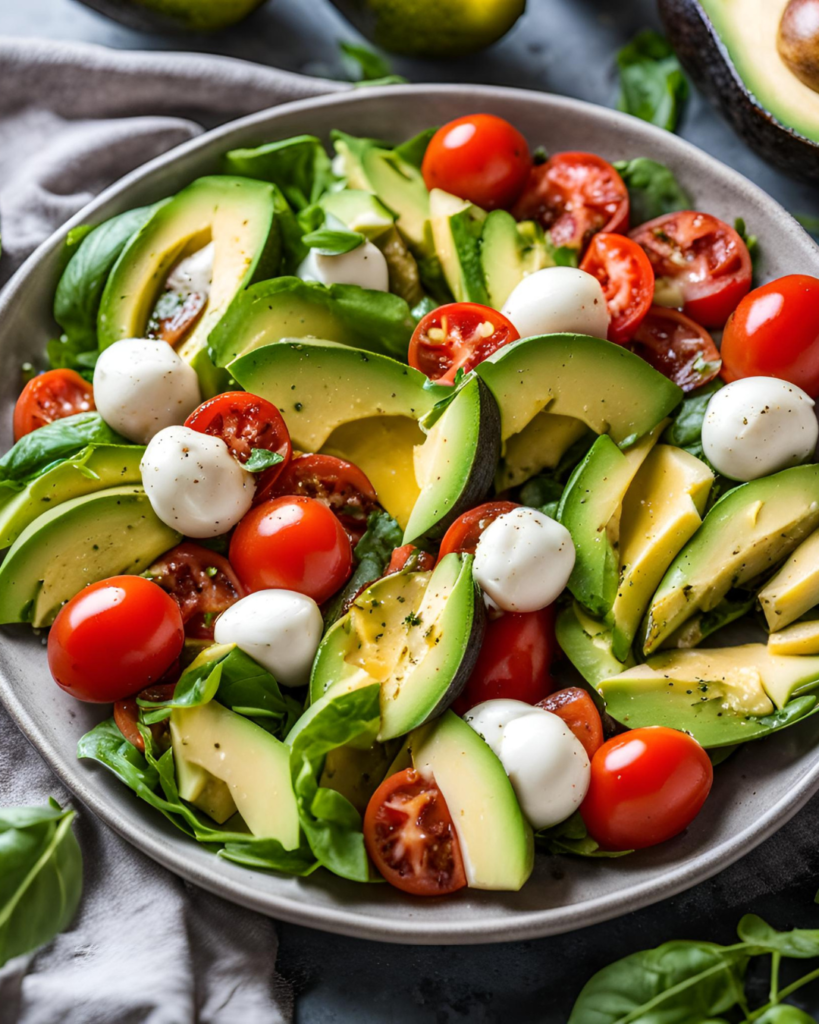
625 274
292 544
676 346
646 786
458 336
50 396
422 562
466 531
775 333
514 662
201 582
174 315
126 715
410 837
245 422
338 484
575 195
114 638
481 158
578 711
701 264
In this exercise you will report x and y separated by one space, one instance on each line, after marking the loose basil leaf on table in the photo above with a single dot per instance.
40 876
653 189
799 943
652 84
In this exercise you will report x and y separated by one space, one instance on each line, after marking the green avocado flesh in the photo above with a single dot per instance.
795 588
510 250
417 634
456 229
495 839
94 469
743 538
82 541
587 644
721 696
252 765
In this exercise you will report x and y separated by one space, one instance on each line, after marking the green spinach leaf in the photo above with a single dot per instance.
686 430
373 552
413 150
572 837
368 67
799 943
329 242
299 166
652 84
653 189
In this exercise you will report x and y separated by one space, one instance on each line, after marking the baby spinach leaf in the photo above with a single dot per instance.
299 166
799 943
40 876
572 837
751 241
413 150
270 855
686 430
652 84
653 189
329 242
373 552
261 459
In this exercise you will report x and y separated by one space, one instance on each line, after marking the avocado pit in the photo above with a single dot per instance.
798 40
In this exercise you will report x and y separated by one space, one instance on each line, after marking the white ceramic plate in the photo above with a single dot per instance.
755 792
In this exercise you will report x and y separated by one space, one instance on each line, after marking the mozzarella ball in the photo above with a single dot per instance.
365 266
758 425
278 628
558 300
142 386
523 560
193 482
194 274
547 765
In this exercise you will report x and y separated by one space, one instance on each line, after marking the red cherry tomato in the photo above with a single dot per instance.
50 396
701 264
292 544
410 837
338 484
422 562
114 638
245 422
676 346
625 274
514 661
458 336
466 531
182 313
201 582
578 711
126 715
481 158
646 786
575 195
775 333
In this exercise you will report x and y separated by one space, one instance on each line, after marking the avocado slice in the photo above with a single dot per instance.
94 469
196 785
540 446
254 766
745 536
495 839
456 229
510 250
416 633
357 773
587 644
366 408
800 638
81 541
794 590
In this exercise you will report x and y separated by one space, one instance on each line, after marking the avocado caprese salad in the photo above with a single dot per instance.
394 499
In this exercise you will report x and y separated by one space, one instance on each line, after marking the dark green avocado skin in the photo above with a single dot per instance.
705 58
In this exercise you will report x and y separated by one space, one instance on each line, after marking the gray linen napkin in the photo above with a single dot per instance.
146 946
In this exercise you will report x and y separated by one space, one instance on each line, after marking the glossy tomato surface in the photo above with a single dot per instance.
481 158
126 715
115 638
514 662
410 837
458 336
408 556
701 264
646 787
292 544
575 195
627 280
466 531
201 582
775 333
51 396
678 347
578 711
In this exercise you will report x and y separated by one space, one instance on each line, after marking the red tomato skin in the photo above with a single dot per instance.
675 345
114 638
183 573
51 396
627 279
647 786
292 543
126 715
481 158
775 333
424 561
463 535
514 661
576 708
465 346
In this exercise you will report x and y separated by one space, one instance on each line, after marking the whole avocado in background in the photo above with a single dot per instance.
432 28
175 15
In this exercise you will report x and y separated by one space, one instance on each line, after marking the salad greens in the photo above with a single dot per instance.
299 166
372 553
333 242
653 189
652 84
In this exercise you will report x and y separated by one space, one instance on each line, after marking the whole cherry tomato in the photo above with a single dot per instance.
627 280
50 396
458 336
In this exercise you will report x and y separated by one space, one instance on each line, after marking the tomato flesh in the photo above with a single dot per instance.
481 158
646 787
578 711
627 280
410 837
676 346
464 534
409 555
114 638
126 715
51 396
201 582
456 337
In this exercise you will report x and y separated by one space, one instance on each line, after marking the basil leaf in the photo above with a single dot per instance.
368 67
572 837
261 459
652 84
653 190
40 876
686 430
373 552
785 1015
800 943
299 167
751 241
413 150
330 242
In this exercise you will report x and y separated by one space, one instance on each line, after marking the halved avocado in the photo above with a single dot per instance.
456 229
587 644
744 537
795 588
418 634
94 469
495 839
83 540
510 250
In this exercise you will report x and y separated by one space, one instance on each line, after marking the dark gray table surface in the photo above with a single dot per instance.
568 47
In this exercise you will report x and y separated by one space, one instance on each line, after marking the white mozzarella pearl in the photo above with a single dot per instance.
490 718
194 274
365 266
558 300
